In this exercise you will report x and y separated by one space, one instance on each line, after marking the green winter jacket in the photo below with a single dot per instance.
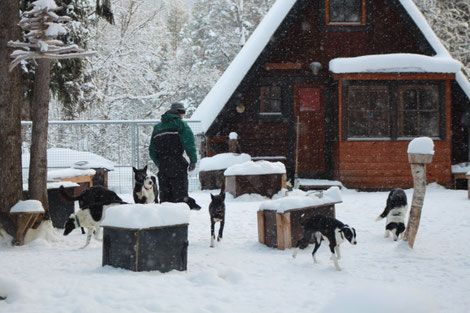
171 120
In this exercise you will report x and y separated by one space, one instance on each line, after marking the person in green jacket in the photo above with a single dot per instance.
170 139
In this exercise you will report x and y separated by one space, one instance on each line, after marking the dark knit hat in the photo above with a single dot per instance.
178 107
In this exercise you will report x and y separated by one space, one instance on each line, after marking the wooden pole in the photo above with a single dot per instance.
418 170
419 189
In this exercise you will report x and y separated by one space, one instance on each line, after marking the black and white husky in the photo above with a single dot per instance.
319 228
145 190
93 203
395 212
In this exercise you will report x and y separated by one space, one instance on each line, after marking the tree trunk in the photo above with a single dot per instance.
418 171
11 186
37 183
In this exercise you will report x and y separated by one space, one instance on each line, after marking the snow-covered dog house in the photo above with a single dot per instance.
261 177
279 220
146 237
211 169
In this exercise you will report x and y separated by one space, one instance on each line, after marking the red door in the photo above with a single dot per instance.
309 113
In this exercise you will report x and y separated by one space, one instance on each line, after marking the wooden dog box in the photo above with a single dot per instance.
153 249
283 230
211 179
265 184
146 237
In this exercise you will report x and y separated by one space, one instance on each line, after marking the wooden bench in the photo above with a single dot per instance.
282 230
24 219
457 176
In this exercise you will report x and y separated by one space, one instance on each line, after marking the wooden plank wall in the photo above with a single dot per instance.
384 164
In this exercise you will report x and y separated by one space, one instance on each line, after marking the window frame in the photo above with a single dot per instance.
394 114
275 116
363 11
401 115
382 88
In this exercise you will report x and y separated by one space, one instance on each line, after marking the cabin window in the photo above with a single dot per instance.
368 111
418 111
347 12
270 100
393 109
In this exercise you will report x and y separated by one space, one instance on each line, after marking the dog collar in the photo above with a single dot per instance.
78 222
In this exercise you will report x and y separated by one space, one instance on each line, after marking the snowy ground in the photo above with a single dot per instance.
241 275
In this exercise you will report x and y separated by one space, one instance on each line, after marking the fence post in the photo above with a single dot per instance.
133 145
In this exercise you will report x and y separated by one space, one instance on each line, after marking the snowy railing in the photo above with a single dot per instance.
123 142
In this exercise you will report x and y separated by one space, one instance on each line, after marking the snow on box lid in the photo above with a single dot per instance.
140 216
421 145
69 172
281 205
222 161
256 168
31 206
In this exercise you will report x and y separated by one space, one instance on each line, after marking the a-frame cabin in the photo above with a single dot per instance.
339 88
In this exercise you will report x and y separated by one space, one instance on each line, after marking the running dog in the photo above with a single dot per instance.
395 212
145 190
319 228
93 203
217 214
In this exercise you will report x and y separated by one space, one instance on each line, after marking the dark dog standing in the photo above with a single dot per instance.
395 211
319 228
145 190
217 214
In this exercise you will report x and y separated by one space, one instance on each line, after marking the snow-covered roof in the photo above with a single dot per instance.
256 168
395 63
281 205
140 216
218 96
61 157
222 161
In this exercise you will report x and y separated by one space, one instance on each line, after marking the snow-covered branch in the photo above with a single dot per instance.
42 25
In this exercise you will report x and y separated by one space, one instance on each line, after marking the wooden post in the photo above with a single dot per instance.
418 170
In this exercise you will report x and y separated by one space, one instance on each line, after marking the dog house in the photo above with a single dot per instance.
279 221
260 177
146 237
211 169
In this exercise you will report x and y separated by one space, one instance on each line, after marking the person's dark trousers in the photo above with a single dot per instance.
173 180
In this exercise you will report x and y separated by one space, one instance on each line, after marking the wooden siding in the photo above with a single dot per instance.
384 164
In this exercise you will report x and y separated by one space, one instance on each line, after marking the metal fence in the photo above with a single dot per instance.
124 143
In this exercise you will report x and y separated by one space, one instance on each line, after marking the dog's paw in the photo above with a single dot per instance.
378 218
294 254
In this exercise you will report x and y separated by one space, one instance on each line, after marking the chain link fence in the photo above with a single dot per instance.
124 143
